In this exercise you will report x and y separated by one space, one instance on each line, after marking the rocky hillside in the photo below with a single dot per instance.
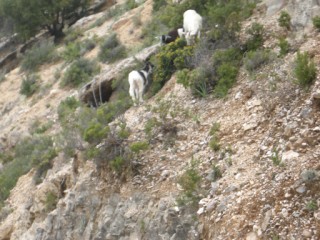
260 179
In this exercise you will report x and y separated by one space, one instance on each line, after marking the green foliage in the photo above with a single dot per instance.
111 50
136 147
72 36
216 172
276 159
190 183
117 164
95 132
172 56
312 205
79 72
5 157
305 70
43 52
38 128
255 59
224 17
29 85
157 4
31 16
71 52
214 143
29 152
256 39
316 22
284 46
227 75
214 128
51 201
284 20
66 108
131 4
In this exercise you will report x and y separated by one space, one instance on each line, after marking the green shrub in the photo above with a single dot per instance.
118 164
214 128
95 132
67 107
305 70
256 39
190 183
276 159
157 4
284 20
38 127
71 52
284 46
136 147
224 17
216 172
111 50
29 85
312 205
72 36
29 152
39 54
227 75
79 72
131 4
51 201
255 59
316 22
214 143
172 57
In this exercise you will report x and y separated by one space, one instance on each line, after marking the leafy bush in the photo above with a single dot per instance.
256 39
29 85
305 70
51 201
38 128
95 132
136 147
173 56
190 183
255 59
214 141
79 72
164 122
29 152
219 77
39 54
157 4
284 20
75 50
111 50
316 22
71 52
67 107
284 46
72 36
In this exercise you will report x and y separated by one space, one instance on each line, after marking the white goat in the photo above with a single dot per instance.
192 25
139 81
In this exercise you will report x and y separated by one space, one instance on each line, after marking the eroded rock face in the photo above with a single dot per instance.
301 12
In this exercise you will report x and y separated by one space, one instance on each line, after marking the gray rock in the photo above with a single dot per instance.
309 175
301 189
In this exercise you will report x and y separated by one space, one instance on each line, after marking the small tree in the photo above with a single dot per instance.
30 16
305 70
284 20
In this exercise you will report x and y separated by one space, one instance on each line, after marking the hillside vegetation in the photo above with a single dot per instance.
225 146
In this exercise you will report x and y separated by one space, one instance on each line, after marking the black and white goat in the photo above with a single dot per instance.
139 81
170 36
